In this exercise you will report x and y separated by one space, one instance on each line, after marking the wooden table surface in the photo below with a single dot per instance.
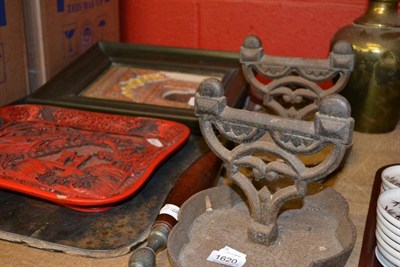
354 181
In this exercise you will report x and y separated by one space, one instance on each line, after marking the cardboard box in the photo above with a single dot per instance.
58 31
13 62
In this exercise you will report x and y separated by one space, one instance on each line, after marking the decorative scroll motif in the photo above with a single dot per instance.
294 91
332 126
77 157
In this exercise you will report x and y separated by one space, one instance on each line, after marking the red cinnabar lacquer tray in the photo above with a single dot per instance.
83 160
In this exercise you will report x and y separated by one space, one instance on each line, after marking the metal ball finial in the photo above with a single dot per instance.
335 105
342 47
252 41
211 88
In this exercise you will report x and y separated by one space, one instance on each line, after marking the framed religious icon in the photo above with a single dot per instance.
142 80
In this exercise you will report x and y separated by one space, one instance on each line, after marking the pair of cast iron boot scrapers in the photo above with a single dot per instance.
295 237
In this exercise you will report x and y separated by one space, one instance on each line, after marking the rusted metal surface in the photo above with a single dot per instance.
291 136
319 233
295 89
332 126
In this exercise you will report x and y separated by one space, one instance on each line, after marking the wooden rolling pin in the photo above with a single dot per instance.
202 174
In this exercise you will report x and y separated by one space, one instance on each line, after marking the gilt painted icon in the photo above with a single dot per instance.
147 86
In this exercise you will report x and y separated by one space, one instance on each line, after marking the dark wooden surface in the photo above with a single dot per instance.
201 175
367 255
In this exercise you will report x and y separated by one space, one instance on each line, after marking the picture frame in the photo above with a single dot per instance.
68 87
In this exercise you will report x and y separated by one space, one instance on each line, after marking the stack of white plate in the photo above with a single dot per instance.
388 228
390 178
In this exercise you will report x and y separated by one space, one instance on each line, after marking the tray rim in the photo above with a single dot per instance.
64 89
94 202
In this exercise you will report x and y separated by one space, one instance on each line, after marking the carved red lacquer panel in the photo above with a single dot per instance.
81 159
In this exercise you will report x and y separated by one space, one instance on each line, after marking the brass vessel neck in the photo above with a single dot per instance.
381 13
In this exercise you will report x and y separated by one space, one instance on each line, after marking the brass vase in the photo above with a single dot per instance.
374 86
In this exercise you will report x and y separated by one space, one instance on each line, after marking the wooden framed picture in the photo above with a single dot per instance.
143 81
